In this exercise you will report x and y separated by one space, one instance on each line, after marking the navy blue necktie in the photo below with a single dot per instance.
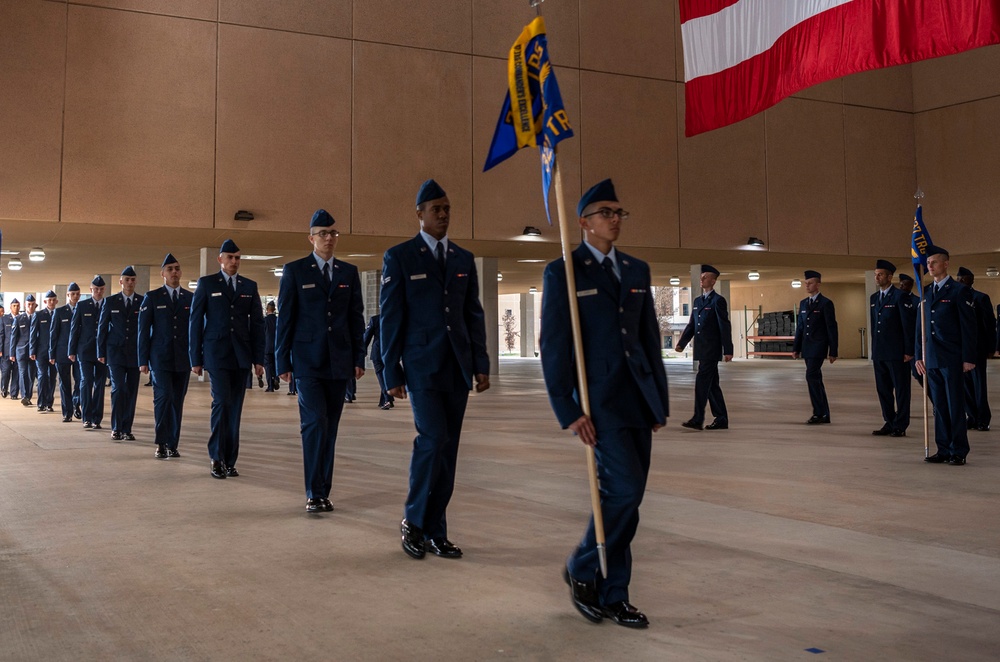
439 251
610 269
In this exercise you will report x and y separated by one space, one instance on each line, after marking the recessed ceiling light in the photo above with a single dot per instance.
499 276
260 257
796 283
361 255
192 284
36 255
675 281
532 289
531 261
754 275
14 265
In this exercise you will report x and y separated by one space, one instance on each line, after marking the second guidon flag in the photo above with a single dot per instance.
743 56
919 243
532 114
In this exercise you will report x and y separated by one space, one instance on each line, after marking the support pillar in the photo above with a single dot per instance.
489 296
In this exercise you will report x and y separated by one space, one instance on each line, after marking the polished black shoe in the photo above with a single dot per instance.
128 436
327 506
386 407
818 420
938 458
898 433
116 436
584 597
971 424
260 381
625 614
269 390
161 452
77 414
718 425
49 409
413 539
88 426
691 425
956 461
314 505
41 409
883 431
97 426
27 402
293 393
443 547
218 471
983 428
172 452
231 472
67 419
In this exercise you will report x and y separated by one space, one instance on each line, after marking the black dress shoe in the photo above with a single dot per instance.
413 539
938 458
314 505
691 424
88 425
443 547
67 419
97 426
898 433
128 436
172 452
161 452
327 506
386 407
956 461
971 424
77 414
116 436
26 402
883 431
717 425
218 471
260 381
49 409
625 614
983 428
584 597
232 472
818 420
269 390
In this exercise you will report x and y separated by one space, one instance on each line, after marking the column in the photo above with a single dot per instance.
142 278
527 320
489 296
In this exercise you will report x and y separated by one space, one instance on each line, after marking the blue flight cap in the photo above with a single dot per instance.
937 250
13 301
429 190
30 298
73 287
169 259
885 264
905 277
128 271
962 271
707 268
50 295
813 274
600 191
322 219
98 281
229 246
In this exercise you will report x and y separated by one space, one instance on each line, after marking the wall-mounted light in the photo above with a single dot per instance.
532 290
14 265
243 215
36 255
755 242
754 275
499 276
992 272
675 281
796 283
531 231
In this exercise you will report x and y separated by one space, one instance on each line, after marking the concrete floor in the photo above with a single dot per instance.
757 543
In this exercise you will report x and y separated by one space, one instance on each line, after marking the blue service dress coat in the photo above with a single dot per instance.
433 337
891 319
163 346
977 404
19 349
93 374
319 339
950 329
69 372
38 346
628 395
9 381
816 334
712 332
117 344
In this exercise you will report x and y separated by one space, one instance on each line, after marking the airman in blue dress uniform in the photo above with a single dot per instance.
8 366
38 349
816 340
320 325
433 340
164 317
628 393
227 339
270 329
372 338
891 313
906 284
83 349
977 402
712 333
117 348
20 338
69 371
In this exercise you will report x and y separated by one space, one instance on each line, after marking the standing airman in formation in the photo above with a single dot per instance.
38 351
816 340
83 348
20 338
892 328
977 403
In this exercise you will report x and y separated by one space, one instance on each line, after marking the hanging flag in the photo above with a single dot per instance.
919 243
532 114
743 56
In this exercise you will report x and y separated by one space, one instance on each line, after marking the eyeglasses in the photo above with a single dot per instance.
326 234
608 213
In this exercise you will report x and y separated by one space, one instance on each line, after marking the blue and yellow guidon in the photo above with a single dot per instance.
533 114
920 242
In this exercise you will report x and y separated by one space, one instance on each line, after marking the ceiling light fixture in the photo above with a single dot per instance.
530 261
279 271
675 281
796 283
992 272
14 265
499 276
531 231
361 255
36 255
532 290
755 242
243 215
754 275
260 257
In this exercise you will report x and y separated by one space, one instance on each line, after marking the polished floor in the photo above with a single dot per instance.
770 541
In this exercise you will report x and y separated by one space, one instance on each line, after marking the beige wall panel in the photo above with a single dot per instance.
140 119
890 88
495 26
284 134
958 156
412 121
326 17
203 9
831 90
956 79
881 179
509 196
443 25
32 50
635 37
722 184
806 184
631 137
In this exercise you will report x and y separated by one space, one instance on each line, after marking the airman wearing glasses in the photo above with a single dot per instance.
627 390
320 325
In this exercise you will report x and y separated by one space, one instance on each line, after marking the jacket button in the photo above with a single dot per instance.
627 355
447 328
624 332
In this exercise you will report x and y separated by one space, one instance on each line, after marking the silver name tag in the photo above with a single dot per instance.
418 276
216 294
586 293
306 287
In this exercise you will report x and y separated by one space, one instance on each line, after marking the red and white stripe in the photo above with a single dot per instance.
743 56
